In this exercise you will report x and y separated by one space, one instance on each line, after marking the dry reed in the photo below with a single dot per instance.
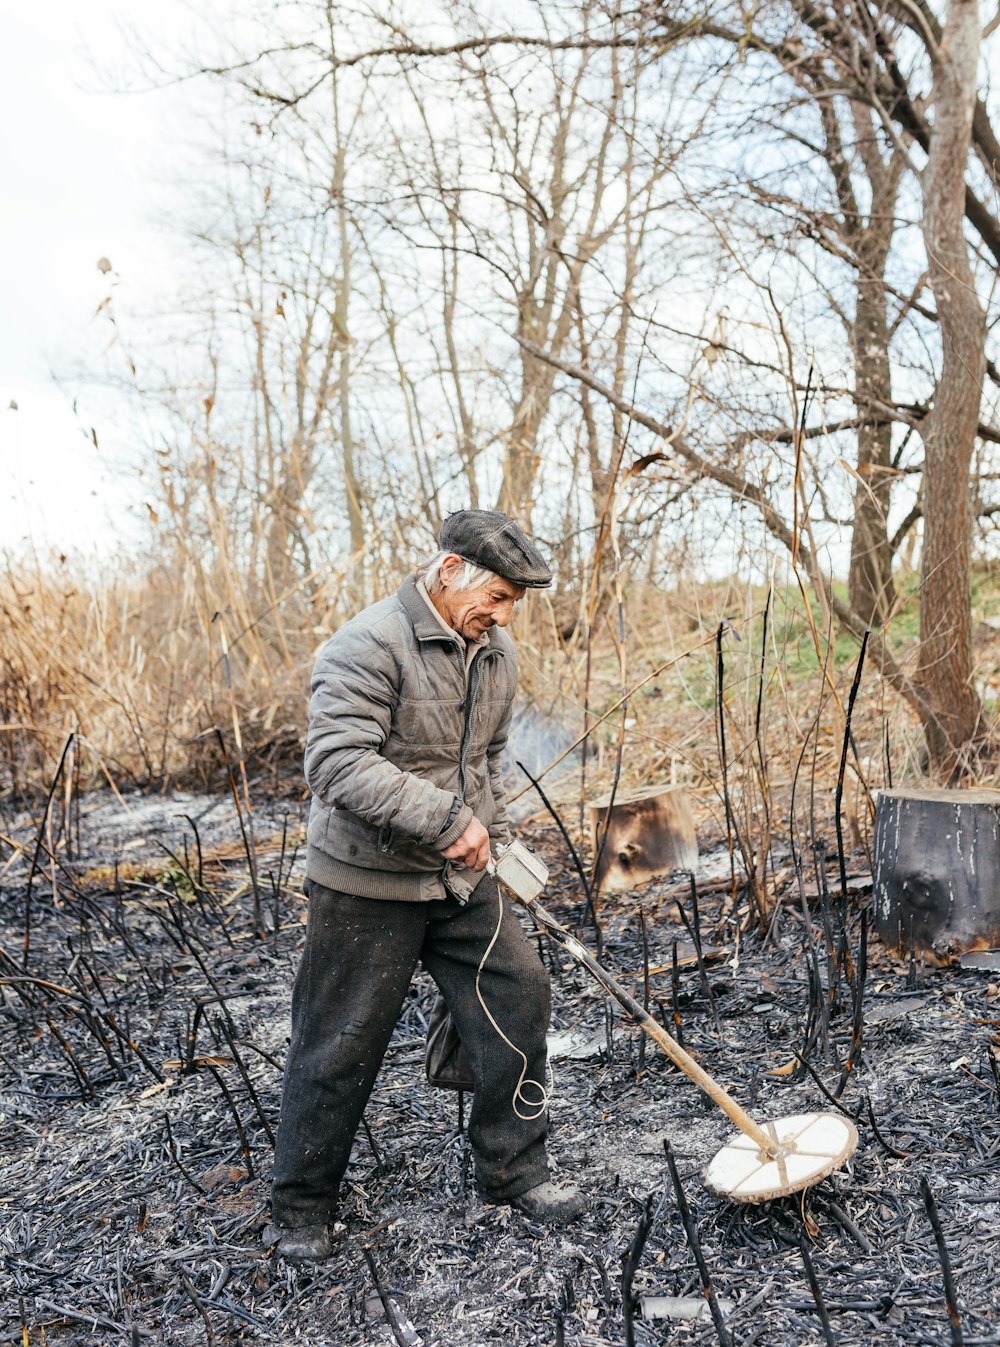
131 664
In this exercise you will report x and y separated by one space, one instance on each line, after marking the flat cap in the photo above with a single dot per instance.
488 538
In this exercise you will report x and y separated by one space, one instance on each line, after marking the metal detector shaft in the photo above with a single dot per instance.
649 1026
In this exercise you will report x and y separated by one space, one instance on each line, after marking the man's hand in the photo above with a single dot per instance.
472 848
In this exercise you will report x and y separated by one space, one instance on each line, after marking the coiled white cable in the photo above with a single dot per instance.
520 1099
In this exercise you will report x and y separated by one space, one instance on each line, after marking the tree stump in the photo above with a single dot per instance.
647 833
936 871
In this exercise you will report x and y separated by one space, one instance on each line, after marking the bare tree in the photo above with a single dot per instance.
453 221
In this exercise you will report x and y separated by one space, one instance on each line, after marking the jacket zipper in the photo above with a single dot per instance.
463 751
470 698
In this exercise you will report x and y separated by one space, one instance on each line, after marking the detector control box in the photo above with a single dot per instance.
521 871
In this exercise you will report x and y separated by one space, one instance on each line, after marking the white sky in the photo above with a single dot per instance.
85 175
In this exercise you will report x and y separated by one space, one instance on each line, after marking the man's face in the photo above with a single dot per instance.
471 612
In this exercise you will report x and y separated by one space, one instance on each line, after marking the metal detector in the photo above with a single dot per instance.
763 1162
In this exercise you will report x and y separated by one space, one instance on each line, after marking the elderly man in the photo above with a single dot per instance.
409 716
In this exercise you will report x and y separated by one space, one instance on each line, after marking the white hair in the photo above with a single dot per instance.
467 576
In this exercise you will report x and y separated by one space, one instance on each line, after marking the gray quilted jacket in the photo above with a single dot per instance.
396 737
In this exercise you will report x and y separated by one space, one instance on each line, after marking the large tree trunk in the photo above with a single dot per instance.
949 432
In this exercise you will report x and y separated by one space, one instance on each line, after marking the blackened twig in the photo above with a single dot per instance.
760 685
760 896
858 990
846 1224
193 1022
814 1286
694 930
230 1038
834 966
196 1301
602 1272
996 1074
387 1305
276 882
130 1042
630 1263
813 1008
175 1156
271 1061
797 481
188 947
379 1166
645 986
675 987
890 1150
94 1321
78 1069
244 1144
839 794
949 1285
825 1092
591 910
39 845
691 1230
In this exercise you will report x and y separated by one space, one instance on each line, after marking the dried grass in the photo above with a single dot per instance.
160 670
137 665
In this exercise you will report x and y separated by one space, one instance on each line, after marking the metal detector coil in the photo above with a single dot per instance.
809 1146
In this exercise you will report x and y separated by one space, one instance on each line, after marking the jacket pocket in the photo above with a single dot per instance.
387 841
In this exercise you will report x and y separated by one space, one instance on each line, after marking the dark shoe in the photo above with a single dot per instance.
554 1203
300 1243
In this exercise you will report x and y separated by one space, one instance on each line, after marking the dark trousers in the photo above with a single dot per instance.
359 958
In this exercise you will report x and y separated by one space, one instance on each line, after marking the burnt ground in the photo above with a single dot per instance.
140 1049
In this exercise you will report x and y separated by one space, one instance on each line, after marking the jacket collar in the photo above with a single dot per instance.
425 628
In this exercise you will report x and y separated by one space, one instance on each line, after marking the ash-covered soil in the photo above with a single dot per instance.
141 1037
